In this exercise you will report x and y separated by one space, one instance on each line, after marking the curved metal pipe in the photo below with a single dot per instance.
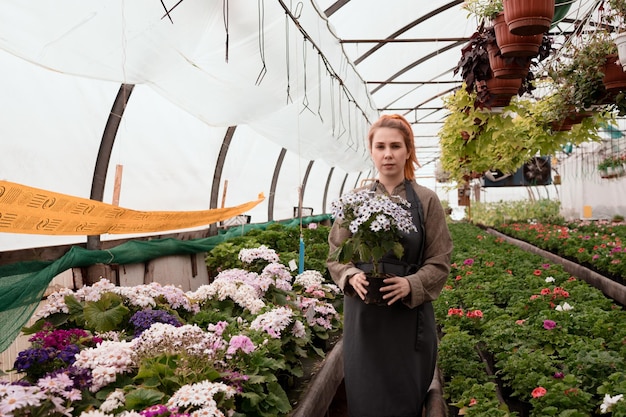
104 153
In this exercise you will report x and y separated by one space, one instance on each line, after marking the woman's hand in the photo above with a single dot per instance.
359 283
395 289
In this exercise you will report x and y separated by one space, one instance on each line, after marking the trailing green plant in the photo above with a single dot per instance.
483 10
578 71
474 139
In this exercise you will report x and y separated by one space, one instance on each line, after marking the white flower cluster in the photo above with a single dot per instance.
95 291
140 295
313 282
387 214
113 401
55 303
13 398
201 395
106 361
273 322
165 338
146 295
260 284
247 256
309 278
241 293
278 274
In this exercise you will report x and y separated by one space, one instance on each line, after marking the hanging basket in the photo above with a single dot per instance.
613 172
574 118
503 87
515 67
513 45
497 92
614 76
528 17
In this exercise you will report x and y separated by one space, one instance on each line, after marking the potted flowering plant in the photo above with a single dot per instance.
612 166
377 223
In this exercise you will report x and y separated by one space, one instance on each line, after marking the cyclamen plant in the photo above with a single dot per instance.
377 223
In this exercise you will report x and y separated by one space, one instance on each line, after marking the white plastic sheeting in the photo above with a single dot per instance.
584 193
63 63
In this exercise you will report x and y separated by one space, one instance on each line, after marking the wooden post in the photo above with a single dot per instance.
224 193
117 185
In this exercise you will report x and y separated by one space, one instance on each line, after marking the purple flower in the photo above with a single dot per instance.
68 354
549 324
33 356
468 262
559 375
155 411
142 320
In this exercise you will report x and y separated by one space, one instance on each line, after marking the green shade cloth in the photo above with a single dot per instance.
23 284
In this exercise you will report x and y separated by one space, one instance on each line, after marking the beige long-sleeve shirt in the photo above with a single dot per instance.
428 281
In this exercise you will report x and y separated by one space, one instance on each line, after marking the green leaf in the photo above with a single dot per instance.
279 397
142 398
105 314
253 398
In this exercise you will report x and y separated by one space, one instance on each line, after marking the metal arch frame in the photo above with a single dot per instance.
98 180
217 173
393 38
418 62
272 196
326 187
409 26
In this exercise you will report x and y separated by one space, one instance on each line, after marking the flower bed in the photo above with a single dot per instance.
599 245
234 347
520 336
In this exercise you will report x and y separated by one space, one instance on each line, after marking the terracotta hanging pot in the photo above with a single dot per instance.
503 86
514 67
573 118
500 91
614 76
528 17
513 45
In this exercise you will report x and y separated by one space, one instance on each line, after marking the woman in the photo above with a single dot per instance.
390 351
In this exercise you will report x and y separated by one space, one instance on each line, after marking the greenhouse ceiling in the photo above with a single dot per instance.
195 105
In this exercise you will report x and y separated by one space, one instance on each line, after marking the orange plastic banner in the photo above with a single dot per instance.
30 210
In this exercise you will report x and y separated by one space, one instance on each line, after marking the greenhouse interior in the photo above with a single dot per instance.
169 185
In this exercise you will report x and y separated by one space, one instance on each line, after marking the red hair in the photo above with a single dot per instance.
395 121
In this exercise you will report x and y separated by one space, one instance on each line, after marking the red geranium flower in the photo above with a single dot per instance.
539 392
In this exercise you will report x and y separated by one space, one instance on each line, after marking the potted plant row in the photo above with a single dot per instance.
534 340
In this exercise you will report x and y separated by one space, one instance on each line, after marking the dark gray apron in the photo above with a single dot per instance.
390 351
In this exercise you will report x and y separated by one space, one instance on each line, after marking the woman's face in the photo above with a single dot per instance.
389 153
